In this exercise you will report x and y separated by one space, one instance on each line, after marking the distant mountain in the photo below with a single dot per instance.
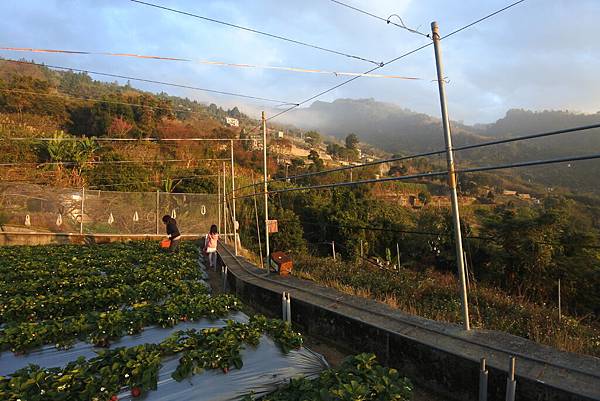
384 125
399 130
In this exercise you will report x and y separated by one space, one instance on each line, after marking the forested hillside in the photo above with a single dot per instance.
399 130
38 102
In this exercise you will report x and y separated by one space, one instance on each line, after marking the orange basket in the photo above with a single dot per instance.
165 243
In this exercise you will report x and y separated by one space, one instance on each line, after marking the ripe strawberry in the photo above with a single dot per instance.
225 369
136 392
114 398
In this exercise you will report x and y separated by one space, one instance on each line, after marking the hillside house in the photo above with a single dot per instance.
232 122
508 192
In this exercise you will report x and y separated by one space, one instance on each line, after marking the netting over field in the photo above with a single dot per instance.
27 207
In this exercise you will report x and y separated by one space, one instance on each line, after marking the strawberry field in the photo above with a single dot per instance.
58 299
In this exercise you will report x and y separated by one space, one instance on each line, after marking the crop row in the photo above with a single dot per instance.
136 368
100 328
358 378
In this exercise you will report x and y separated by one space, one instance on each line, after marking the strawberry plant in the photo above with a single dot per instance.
137 367
358 378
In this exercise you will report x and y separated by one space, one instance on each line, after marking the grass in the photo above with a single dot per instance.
434 295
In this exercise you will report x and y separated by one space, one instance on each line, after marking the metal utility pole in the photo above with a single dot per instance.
82 204
262 262
266 190
235 223
157 209
219 197
451 174
224 205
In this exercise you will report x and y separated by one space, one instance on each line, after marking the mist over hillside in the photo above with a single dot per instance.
399 130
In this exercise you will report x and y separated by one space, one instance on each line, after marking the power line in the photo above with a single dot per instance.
106 74
426 233
96 162
110 139
208 62
388 20
155 181
255 31
438 152
435 174
392 60
70 96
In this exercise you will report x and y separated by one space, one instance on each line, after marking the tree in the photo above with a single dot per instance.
316 159
352 141
313 138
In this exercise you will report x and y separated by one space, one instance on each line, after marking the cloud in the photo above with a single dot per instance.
532 56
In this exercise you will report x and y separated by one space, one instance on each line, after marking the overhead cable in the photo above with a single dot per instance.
438 152
386 20
106 74
255 31
209 62
392 60
153 182
435 174
96 162
110 139
70 96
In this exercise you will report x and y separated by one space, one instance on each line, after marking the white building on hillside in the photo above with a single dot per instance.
232 122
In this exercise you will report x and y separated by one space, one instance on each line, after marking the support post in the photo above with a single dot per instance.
559 303
362 253
81 214
283 307
219 197
511 383
157 210
333 249
288 308
224 205
266 191
451 175
262 262
483 381
398 254
235 239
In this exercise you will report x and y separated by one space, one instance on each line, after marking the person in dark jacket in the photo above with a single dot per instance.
172 232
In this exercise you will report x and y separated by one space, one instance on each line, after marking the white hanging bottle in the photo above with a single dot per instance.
27 220
111 219
136 217
59 220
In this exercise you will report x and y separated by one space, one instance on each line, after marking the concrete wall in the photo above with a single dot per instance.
441 357
28 238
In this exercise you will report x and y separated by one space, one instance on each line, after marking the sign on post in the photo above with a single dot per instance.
273 228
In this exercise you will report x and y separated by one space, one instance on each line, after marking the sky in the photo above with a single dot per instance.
539 55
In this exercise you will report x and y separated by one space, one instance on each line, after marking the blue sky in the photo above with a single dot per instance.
539 55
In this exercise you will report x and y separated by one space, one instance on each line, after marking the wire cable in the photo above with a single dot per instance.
255 31
111 139
153 182
96 100
106 74
388 21
392 60
208 62
438 152
435 174
96 162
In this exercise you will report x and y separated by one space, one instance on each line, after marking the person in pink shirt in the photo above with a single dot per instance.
210 246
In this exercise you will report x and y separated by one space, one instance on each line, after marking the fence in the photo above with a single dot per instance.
33 208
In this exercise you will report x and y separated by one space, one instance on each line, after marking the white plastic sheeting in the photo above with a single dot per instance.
265 366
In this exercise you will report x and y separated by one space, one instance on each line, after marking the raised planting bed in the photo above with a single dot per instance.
119 321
